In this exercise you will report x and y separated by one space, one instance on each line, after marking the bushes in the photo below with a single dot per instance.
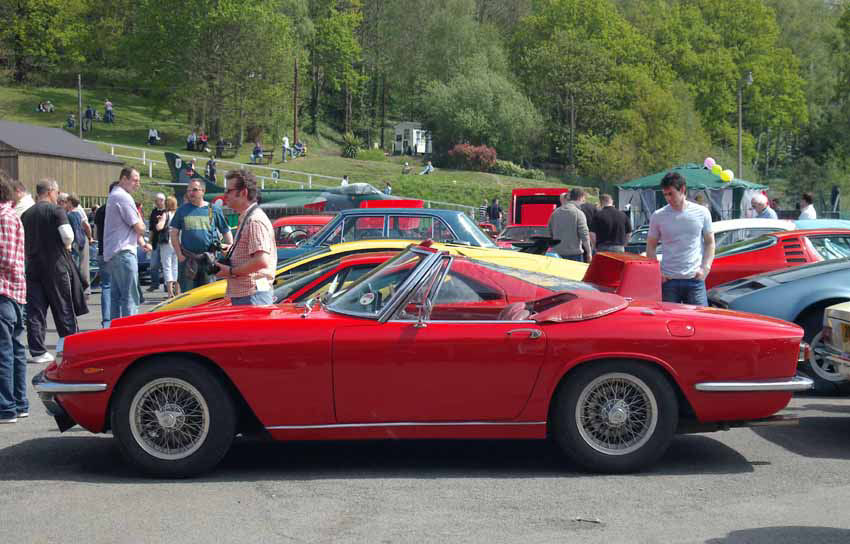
508 168
371 155
351 145
470 157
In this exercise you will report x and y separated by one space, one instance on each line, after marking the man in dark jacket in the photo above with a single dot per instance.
610 227
156 235
49 270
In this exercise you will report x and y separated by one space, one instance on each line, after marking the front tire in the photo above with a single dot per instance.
616 416
173 418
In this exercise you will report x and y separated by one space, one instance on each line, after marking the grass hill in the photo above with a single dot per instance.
135 115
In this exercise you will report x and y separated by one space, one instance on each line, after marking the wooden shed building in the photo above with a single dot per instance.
31 153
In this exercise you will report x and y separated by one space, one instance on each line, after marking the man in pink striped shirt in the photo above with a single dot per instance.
13 295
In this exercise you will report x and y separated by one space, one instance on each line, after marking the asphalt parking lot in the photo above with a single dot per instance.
765 485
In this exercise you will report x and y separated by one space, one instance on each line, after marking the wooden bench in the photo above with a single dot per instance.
268 156
228 151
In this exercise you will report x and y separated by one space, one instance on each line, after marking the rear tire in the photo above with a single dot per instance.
615 416
173 418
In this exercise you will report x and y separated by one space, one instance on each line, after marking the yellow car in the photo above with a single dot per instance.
524 261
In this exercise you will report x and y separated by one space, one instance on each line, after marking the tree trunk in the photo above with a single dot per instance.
348 102
572 127
383 106
314 98
295 105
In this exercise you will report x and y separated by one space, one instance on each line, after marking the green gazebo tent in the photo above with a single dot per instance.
726 199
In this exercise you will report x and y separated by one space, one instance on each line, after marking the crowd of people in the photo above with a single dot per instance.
44 246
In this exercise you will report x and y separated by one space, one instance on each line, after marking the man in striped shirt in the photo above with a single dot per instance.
13 296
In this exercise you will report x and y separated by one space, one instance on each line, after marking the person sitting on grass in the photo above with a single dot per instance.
299 149
71 122
428 169
405 169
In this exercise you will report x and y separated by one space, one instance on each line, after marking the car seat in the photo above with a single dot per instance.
514 312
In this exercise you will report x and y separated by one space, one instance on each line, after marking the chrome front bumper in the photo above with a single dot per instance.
47 391
797 383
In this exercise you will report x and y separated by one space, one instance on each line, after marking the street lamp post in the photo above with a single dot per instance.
747 79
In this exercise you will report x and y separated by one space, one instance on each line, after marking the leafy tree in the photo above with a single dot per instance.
38 34
481 107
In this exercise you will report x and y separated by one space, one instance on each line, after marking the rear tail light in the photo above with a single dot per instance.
805 351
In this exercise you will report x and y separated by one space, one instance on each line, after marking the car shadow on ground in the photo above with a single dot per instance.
818 437
90 458
785 535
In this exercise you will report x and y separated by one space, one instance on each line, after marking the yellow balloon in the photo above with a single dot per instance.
716 169
726 175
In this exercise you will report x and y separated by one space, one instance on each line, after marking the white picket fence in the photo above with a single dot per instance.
272 176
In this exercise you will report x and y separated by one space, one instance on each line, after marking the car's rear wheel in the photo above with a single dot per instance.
616 416
173 418
827 380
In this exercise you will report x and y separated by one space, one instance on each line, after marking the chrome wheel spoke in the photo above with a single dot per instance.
169 418
616 413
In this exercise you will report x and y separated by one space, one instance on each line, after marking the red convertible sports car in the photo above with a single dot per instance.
777 250
428 345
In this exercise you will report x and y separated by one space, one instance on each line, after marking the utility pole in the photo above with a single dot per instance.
80 105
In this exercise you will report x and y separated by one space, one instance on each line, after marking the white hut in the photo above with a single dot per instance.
410 137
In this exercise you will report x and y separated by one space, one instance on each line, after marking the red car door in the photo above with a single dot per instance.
445 371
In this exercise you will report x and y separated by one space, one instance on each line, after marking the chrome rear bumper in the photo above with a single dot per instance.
797 383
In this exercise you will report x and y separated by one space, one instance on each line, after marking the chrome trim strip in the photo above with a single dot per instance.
402 424
797 383
53 388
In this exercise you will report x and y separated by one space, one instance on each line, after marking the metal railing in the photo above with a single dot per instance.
272 178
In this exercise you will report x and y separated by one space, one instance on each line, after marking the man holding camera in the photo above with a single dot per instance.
197 230
249 266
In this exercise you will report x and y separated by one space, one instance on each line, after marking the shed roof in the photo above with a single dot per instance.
53 142
695 176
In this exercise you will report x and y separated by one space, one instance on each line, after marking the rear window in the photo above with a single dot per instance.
746 246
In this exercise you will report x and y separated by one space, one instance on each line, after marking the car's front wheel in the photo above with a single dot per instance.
173 418
615 416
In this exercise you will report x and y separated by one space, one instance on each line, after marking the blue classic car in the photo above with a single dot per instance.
396 224
798 294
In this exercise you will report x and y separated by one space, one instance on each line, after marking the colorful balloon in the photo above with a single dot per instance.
726 175
716 169
708 163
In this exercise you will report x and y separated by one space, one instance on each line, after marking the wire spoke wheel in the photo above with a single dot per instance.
169 418
616 413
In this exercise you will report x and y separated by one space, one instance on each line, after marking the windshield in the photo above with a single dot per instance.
473 233
368 295
296 282
552 283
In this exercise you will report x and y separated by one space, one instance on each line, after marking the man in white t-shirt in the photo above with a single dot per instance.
285 147
807 208
684 228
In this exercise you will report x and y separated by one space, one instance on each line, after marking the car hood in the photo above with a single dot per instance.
230 313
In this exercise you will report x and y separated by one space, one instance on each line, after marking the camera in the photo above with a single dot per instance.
211 263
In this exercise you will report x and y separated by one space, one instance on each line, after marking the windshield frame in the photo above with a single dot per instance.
401 291
470 227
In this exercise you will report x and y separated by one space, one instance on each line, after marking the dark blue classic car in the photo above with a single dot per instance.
799 294
396 224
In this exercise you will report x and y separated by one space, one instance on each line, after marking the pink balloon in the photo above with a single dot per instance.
708 163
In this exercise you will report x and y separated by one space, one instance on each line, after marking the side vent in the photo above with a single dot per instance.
793 249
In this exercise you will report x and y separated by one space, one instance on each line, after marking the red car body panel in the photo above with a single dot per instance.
534 206
792 248
309 224
309 374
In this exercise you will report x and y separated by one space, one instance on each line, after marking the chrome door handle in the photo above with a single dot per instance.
532 333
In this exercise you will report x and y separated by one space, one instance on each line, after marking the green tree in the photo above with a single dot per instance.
38 34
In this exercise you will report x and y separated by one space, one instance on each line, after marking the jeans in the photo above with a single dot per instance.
260 298
611 248
187 284
13 360
105 292
578 257
154 267
124 288
689 291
